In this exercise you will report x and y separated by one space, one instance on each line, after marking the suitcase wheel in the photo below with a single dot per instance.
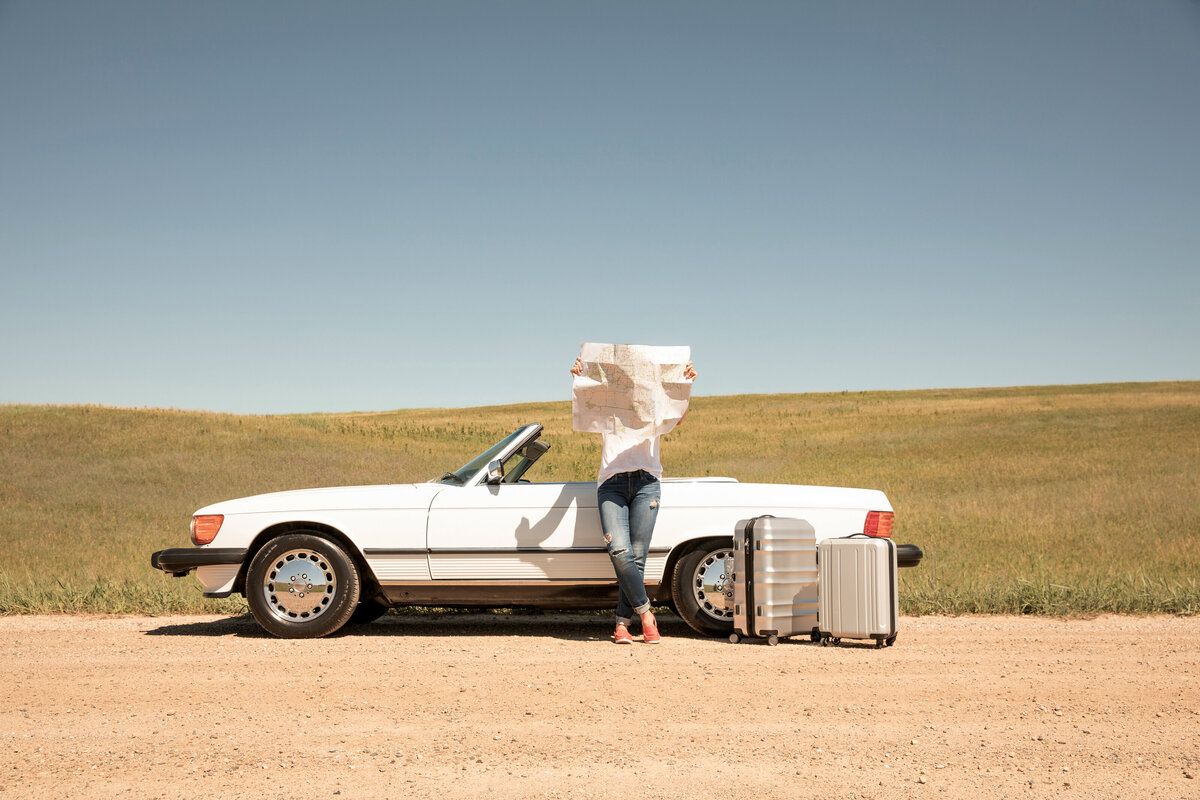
772 640
734 638
891 640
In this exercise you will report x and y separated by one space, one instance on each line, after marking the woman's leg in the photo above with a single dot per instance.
643 511
614 502
624 609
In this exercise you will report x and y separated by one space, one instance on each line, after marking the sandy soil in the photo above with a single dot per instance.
546 706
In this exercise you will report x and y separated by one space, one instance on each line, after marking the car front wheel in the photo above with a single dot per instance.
302 586
702 587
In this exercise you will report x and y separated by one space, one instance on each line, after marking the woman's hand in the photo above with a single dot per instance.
689 372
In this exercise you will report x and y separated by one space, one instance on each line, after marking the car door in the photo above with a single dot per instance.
528 532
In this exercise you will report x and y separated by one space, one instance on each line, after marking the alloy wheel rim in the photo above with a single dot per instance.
712 584
299 586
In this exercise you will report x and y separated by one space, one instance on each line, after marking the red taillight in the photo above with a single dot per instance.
205 527
879 523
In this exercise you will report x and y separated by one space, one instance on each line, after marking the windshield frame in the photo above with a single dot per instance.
475 470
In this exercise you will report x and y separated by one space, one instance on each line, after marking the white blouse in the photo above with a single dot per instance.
628 452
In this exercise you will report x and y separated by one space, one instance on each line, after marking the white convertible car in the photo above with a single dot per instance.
310 561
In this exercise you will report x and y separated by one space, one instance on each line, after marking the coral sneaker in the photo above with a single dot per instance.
621 635
650 633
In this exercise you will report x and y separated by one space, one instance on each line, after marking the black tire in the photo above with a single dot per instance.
891 640
322 586
367 611
704 615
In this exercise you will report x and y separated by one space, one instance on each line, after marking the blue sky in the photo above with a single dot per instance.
287 206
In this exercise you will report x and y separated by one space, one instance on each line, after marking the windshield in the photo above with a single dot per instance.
460 475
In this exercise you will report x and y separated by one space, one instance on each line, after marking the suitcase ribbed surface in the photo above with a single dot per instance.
775 577
858 595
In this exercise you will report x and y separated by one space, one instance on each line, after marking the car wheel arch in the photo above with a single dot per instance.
370 585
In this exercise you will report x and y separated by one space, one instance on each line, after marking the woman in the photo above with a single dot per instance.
628 494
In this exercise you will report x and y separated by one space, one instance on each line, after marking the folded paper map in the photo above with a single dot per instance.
630 388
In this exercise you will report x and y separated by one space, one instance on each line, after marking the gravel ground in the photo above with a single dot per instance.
465 706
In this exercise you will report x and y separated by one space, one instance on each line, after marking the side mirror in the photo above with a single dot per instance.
495 472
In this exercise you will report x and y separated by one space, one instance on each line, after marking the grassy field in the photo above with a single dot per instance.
1046 500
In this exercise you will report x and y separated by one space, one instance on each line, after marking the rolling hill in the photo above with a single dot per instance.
1046 500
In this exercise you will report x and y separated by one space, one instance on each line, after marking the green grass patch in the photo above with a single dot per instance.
1056 500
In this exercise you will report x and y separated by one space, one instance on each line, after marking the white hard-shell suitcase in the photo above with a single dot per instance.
774 578
857 594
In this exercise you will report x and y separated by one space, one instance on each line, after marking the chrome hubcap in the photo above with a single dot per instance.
299 585
712 584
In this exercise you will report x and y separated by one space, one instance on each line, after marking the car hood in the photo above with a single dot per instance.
396 495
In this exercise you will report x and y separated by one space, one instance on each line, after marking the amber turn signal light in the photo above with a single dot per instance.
205 527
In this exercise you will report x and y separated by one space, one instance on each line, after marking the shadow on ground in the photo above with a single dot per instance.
559 625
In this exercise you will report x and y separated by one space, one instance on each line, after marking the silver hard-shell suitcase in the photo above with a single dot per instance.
857 594
774 578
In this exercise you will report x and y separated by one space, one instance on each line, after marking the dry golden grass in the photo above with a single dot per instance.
1049 500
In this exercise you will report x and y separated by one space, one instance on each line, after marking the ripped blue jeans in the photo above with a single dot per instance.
628 505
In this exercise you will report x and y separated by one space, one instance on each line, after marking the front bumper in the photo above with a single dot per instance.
179 561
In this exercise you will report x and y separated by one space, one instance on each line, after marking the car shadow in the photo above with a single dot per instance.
556 625
243 625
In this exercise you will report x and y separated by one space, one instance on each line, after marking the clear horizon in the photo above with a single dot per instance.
567 400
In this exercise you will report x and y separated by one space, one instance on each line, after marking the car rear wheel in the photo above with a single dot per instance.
702 587
301 586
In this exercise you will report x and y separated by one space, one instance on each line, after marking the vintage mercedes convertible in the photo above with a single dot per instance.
310 561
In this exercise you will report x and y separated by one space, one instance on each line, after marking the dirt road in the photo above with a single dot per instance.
545 706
